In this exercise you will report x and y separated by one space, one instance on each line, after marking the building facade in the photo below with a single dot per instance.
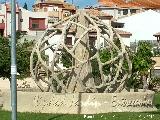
5 19
32 23
121 8
56 9
142 25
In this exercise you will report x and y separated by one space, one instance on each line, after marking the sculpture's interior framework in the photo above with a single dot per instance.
78 77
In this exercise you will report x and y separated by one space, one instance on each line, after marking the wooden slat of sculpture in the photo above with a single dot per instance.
82 53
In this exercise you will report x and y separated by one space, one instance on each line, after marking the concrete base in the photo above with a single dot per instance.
82 103
1 99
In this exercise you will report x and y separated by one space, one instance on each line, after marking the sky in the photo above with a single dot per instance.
80 3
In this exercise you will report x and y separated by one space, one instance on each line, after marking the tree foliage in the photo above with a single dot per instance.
142 61
4 58
141 64
23 58
66 59
25 6
105 55
154 82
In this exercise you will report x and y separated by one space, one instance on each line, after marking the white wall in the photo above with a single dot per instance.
2 18
111 11
126 41
3 12
56 40
8 24
2 9
25 24
107 21
6 16
142 25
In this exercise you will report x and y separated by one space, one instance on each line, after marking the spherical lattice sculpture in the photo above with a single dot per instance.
110 60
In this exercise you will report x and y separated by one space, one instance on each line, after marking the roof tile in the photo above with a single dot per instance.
131 3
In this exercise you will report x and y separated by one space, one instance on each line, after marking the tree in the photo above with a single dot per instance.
18 34
142 62
25 6
66 59
23 58
4 58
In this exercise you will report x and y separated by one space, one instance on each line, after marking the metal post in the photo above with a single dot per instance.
13 61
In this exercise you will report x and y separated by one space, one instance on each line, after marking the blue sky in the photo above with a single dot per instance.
80 3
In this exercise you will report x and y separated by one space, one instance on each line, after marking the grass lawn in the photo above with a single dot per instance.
4 115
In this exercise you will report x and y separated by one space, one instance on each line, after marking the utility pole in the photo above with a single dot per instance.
72 1
13 61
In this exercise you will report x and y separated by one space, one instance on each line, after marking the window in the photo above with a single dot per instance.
117 25
45 9
133 11
37 23
66 14
92 41
125 11
55 9
56 19
21 20
53 19
119 11
2 21
68 41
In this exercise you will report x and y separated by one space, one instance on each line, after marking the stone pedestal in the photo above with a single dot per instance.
1 99
82 103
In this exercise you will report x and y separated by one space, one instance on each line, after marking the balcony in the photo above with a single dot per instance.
2 25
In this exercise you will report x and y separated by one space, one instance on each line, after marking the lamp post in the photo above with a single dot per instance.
13 61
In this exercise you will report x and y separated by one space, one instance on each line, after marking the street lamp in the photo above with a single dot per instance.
13 61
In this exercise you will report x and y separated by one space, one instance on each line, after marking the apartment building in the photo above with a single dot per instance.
121 8
5 19
56 9
32 23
